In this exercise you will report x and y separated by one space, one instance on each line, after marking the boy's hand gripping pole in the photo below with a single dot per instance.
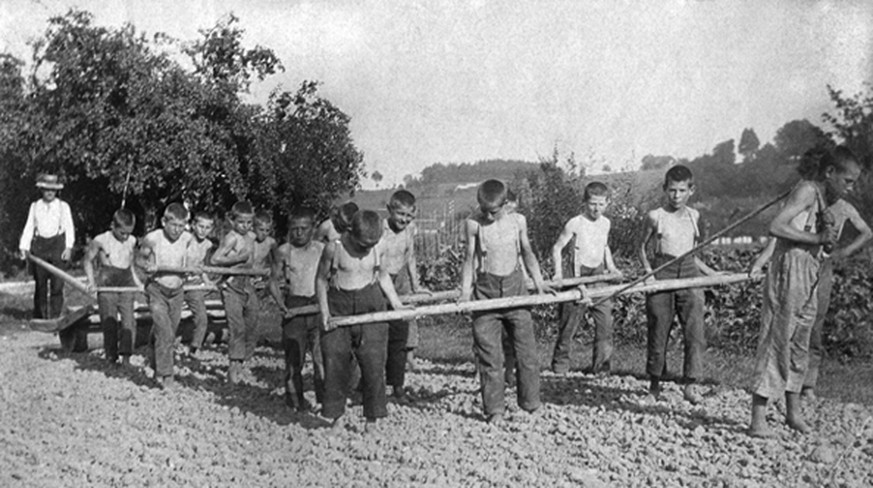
696 248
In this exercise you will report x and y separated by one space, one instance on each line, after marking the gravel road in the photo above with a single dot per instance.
72 420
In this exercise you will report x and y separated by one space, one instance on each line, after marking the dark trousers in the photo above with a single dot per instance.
398 336
662 307
165 305
368 343
488 327
816 346
241 308
48 297
196 302
572 316
299 335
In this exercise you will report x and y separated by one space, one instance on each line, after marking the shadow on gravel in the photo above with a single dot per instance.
587 392
205 376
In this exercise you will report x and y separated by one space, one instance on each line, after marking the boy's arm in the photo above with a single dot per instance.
530 260
134 276
610 263
467 267
864 235
387 285
557 249
225 255
648 232
800 199
145 257
414 279
763 257
321 284
277 274
88 263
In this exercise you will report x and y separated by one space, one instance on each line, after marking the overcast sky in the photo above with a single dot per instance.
460 81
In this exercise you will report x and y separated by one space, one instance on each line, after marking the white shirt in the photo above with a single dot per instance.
114 252
590 240
677 231
48 220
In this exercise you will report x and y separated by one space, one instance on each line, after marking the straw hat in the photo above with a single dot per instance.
48 181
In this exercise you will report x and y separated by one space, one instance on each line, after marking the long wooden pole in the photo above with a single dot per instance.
215 270
543 299
66 277
698 247
140 289
452 294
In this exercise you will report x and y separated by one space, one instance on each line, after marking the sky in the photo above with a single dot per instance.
462 81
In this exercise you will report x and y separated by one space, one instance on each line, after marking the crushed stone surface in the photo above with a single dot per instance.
74 420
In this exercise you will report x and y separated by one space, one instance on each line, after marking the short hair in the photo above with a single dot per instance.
302 213
492 192
263 217
595 189
367 226
242 207
124 218
203 215
176 211
678 174
346 211
816 161
402 197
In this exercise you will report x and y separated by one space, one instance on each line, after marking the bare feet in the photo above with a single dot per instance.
691 394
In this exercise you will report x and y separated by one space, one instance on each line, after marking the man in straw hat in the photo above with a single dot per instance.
48 234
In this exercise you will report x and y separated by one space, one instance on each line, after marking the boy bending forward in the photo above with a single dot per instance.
496 240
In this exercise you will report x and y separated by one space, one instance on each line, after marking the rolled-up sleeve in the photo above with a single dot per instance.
67 223
27 234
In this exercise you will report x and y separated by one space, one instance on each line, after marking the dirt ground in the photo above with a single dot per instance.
73 420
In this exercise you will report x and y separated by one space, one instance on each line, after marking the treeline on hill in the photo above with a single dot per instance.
149 120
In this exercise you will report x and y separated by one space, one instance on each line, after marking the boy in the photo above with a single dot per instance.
398 244
496 240
165 247
197 255
674 229
49 234
842 212
590 233
331 229
265 246
237 250
295 265
803 229
115 249
350 281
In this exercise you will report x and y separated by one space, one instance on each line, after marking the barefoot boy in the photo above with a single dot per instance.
351 280
115 249
165 247
842 212
197 255
496 240
398 244
590 233
295 265
339 221
674 229
237 250
803 229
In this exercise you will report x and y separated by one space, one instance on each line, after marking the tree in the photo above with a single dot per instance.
606 168
749 144
651 163
376 177
798 136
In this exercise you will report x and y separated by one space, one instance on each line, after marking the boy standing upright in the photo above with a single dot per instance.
165 247
674 228
48 234
237 250
351 280
590 233
197 255
496 240
296 265
398 244
115 249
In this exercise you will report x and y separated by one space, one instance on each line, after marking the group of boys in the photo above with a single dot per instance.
357 263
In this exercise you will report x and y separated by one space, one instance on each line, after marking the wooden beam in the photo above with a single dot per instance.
544 299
